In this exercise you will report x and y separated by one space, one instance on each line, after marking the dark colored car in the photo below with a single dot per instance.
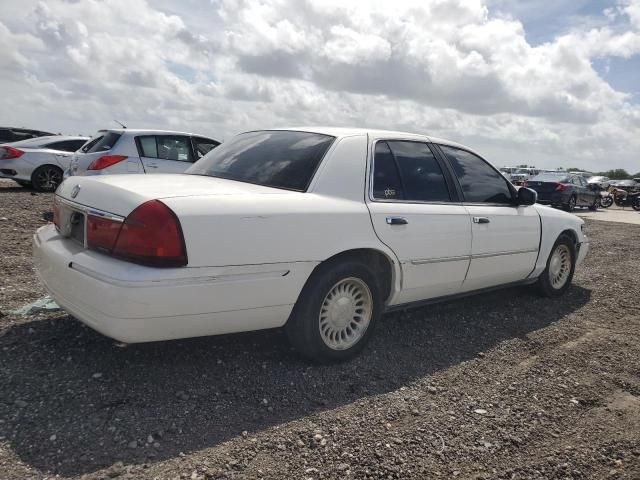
627 185
11 134
565 190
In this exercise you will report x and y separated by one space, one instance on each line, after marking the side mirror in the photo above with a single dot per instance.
526 196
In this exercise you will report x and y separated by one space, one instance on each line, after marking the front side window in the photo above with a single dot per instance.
274 158
480 183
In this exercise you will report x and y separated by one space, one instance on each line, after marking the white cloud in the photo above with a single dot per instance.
452 68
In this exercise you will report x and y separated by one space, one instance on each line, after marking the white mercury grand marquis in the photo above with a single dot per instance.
319 230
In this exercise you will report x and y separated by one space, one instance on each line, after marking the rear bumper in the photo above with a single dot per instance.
553 198
132 303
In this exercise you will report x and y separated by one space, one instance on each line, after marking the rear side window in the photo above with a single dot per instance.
480 183
202 146
274 158
408 171
386 178
166 147
66 145
103 143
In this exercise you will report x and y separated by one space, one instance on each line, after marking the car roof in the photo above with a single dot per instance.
36 141
150 131
341 132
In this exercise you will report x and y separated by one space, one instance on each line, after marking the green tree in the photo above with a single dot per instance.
617 173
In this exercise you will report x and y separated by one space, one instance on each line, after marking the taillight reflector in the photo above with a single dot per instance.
10 152
151 235
105 161
102 233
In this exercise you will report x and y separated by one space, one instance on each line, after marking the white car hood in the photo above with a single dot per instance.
120 194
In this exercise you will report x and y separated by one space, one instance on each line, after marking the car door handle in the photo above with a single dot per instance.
151 165
480 220
396 221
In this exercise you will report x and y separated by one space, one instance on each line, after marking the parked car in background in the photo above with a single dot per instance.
583 173
599 180
631 185
13 134
565 190
139 151
508 171
522 175
319 230
39 162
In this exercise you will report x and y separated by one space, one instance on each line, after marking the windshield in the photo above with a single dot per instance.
281 159
550 177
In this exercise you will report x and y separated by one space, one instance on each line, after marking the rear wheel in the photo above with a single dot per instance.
334 316
46 178
571 205
557 275
595 205
636 203
606 202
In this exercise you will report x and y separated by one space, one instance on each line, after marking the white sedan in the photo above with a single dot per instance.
319 230
39 162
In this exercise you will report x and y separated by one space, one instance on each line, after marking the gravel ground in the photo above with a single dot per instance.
503 385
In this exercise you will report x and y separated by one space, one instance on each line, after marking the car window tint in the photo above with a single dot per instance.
66 145
87 146
148 146
478 180
421 176
275 158
203 146
104 143
386 179
175 148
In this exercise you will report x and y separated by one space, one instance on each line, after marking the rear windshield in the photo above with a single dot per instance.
550 177
281 159
102 143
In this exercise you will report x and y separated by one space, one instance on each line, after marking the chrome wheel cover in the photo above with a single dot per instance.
560 267
345 313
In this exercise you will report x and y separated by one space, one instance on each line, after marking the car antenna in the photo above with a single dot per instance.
119 123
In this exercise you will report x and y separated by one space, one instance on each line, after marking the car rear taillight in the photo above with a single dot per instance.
151 235
102 233
10 152
561 186
105 161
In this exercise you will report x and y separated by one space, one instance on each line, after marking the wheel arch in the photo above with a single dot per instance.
384 264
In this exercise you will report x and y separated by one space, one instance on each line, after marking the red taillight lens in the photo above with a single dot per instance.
561 186
151 235
102 233
105 161
10 152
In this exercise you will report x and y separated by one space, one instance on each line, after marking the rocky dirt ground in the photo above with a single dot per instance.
505 385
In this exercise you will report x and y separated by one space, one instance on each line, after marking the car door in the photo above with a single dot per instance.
505 236
165 153
416 212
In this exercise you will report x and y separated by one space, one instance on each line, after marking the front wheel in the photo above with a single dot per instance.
557 276
606 202
46 178
334 316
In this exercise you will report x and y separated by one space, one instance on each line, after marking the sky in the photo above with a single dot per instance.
541 83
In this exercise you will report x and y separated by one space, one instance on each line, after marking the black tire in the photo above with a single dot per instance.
46 178
595 205
571 205
636 204
606 202
545 284
303 326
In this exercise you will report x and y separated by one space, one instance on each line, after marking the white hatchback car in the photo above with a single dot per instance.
38 162
319 230
139 151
